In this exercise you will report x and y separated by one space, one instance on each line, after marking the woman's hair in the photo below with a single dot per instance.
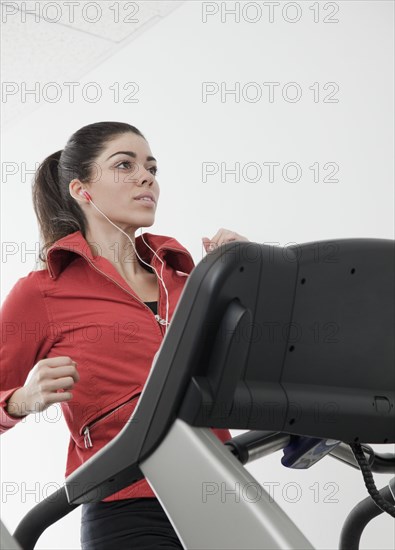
58 213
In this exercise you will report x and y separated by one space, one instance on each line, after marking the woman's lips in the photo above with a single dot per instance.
146 202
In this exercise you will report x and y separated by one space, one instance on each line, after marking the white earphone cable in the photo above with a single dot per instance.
160 278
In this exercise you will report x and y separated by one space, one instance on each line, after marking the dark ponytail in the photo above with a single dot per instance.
58 213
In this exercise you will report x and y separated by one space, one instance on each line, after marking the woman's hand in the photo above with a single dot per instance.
222 236
49 377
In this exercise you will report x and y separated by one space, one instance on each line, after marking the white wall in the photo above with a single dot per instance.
170 61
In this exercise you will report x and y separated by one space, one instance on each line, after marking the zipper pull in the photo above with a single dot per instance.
87 438
160 321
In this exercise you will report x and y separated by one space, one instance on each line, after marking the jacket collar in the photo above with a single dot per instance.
64 250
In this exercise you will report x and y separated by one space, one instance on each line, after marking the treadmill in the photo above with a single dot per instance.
294 345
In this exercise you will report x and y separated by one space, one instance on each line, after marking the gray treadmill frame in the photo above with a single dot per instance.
7 541
190 456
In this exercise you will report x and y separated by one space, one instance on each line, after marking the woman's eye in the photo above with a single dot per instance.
127 162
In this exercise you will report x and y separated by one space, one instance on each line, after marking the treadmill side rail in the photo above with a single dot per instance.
203 489
7 541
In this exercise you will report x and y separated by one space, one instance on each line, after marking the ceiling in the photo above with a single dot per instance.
58 42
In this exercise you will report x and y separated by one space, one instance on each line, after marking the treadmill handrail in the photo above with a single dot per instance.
359 517
253 445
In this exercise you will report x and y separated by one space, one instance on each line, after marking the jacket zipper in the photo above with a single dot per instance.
157 316
86 431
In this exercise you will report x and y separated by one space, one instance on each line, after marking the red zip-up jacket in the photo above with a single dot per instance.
81 307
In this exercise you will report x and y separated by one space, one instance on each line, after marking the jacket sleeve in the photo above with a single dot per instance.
223 434
24 340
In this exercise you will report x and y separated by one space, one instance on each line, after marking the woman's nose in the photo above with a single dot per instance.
144 176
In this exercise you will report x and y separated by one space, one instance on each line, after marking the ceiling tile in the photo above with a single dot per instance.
42 44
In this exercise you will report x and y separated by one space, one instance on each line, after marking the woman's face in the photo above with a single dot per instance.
125 169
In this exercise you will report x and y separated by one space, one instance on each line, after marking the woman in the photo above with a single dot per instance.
100 307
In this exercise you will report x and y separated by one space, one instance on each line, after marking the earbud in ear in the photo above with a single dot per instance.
86 195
